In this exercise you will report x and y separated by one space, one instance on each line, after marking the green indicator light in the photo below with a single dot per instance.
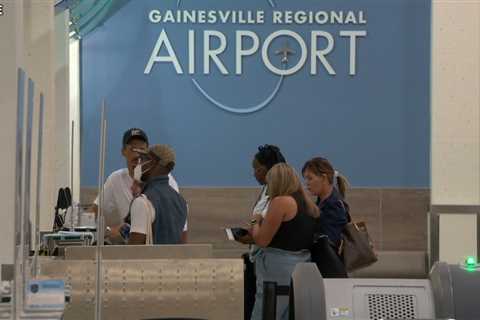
471 262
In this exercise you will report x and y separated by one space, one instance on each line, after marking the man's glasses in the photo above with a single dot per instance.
136 149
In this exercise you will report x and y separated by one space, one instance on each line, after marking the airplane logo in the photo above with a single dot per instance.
285 52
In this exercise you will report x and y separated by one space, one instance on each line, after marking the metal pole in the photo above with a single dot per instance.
18 186
39 185
478 237
72 212
26 226
434 236
100 220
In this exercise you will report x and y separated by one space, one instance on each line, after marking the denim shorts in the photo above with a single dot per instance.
276 265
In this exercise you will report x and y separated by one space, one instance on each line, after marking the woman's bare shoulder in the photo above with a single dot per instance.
283 201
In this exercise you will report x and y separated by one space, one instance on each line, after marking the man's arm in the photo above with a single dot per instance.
94 209
137 238
184 238
108 201
141 221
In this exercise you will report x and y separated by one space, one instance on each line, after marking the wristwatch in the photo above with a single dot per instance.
108 232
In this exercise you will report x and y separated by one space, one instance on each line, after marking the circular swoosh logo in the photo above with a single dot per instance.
251 109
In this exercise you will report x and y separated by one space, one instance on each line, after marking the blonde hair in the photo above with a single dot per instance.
282 180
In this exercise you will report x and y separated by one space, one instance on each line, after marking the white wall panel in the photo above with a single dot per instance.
27 33
39 35
11 48
74 83
62 101
458 239
455 102
455 111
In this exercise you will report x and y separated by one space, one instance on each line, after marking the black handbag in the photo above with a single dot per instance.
324 256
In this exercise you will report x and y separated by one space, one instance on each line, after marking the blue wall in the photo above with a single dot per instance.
374 126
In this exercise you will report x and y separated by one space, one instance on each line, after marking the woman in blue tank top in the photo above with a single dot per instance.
284 235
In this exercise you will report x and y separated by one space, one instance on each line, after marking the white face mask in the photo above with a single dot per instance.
138 172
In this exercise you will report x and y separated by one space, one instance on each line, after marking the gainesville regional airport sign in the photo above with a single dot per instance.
245 42
316 56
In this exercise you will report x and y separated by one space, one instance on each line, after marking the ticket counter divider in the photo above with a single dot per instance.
26 296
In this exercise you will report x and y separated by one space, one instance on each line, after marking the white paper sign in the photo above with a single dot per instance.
340 312
46 295
334 312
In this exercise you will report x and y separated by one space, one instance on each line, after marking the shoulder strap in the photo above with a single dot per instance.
259 197
128 218
346 207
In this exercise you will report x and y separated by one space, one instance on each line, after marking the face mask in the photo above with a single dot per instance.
138 172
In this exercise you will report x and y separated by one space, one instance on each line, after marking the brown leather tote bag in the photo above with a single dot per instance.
356 248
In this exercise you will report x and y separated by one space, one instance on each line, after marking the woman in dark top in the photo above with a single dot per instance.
266 157
284 235
329 187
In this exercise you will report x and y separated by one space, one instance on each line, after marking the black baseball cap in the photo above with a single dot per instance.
134 133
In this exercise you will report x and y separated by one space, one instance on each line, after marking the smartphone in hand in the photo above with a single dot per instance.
236 233
125 231
239 232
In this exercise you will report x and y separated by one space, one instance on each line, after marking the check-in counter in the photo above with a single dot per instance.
151 282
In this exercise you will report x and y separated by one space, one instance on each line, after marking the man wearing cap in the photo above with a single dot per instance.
118 186
159 214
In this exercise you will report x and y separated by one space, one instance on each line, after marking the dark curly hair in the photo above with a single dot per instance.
269 155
